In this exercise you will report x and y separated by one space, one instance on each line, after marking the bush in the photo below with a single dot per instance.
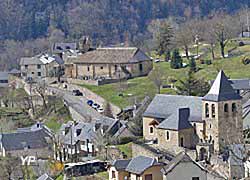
208 62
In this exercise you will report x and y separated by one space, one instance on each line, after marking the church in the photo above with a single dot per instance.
206 124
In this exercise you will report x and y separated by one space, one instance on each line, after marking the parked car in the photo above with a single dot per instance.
100 110
157 60
90 102
77 92
95 106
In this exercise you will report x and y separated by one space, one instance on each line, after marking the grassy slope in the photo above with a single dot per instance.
140 87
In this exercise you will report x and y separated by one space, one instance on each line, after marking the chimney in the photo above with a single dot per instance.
184 113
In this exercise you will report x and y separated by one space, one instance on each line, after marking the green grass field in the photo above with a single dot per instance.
138 88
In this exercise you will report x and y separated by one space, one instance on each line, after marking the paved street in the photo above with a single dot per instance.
77 103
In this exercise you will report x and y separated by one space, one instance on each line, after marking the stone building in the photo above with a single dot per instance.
137 168
183 167
36 140
108 63
211 122
40 66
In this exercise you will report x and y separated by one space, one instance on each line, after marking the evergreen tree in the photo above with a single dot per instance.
176 61
192 65
190 86
164 39
168 56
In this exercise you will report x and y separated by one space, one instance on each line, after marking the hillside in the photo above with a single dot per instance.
138 88
105 21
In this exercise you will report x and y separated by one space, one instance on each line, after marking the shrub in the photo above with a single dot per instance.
208 62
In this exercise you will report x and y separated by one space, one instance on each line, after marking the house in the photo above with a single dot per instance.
4 79
183 167
78 140
40 66
137 168
108 63
35 141
216 119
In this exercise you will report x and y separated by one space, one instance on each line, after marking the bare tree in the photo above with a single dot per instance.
156 77
8 166
184 37
108 110
209 35
224 28
41 90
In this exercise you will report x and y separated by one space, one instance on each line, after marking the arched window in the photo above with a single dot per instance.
207 110
234 108
194 128
225 107
213 110
167 135
151 130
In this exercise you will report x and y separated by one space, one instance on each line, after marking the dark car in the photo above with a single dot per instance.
90 102
76 92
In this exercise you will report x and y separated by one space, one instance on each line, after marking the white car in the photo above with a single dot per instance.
157 60
100 110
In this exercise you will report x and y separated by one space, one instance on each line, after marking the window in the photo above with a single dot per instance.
4 81
38 66
151 130
226 108
195 178
26 66
194 128
182 142
88 69
207 110
210 126
148 177
39 73
140 67
213 110
234 108
167 135
116 67
32 73
113 174
101 67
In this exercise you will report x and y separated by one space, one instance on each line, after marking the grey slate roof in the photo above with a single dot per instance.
121 164
139 164
177 121
30 61
221 90
181 157
239 84
164 106
112 56
19 141
44 177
